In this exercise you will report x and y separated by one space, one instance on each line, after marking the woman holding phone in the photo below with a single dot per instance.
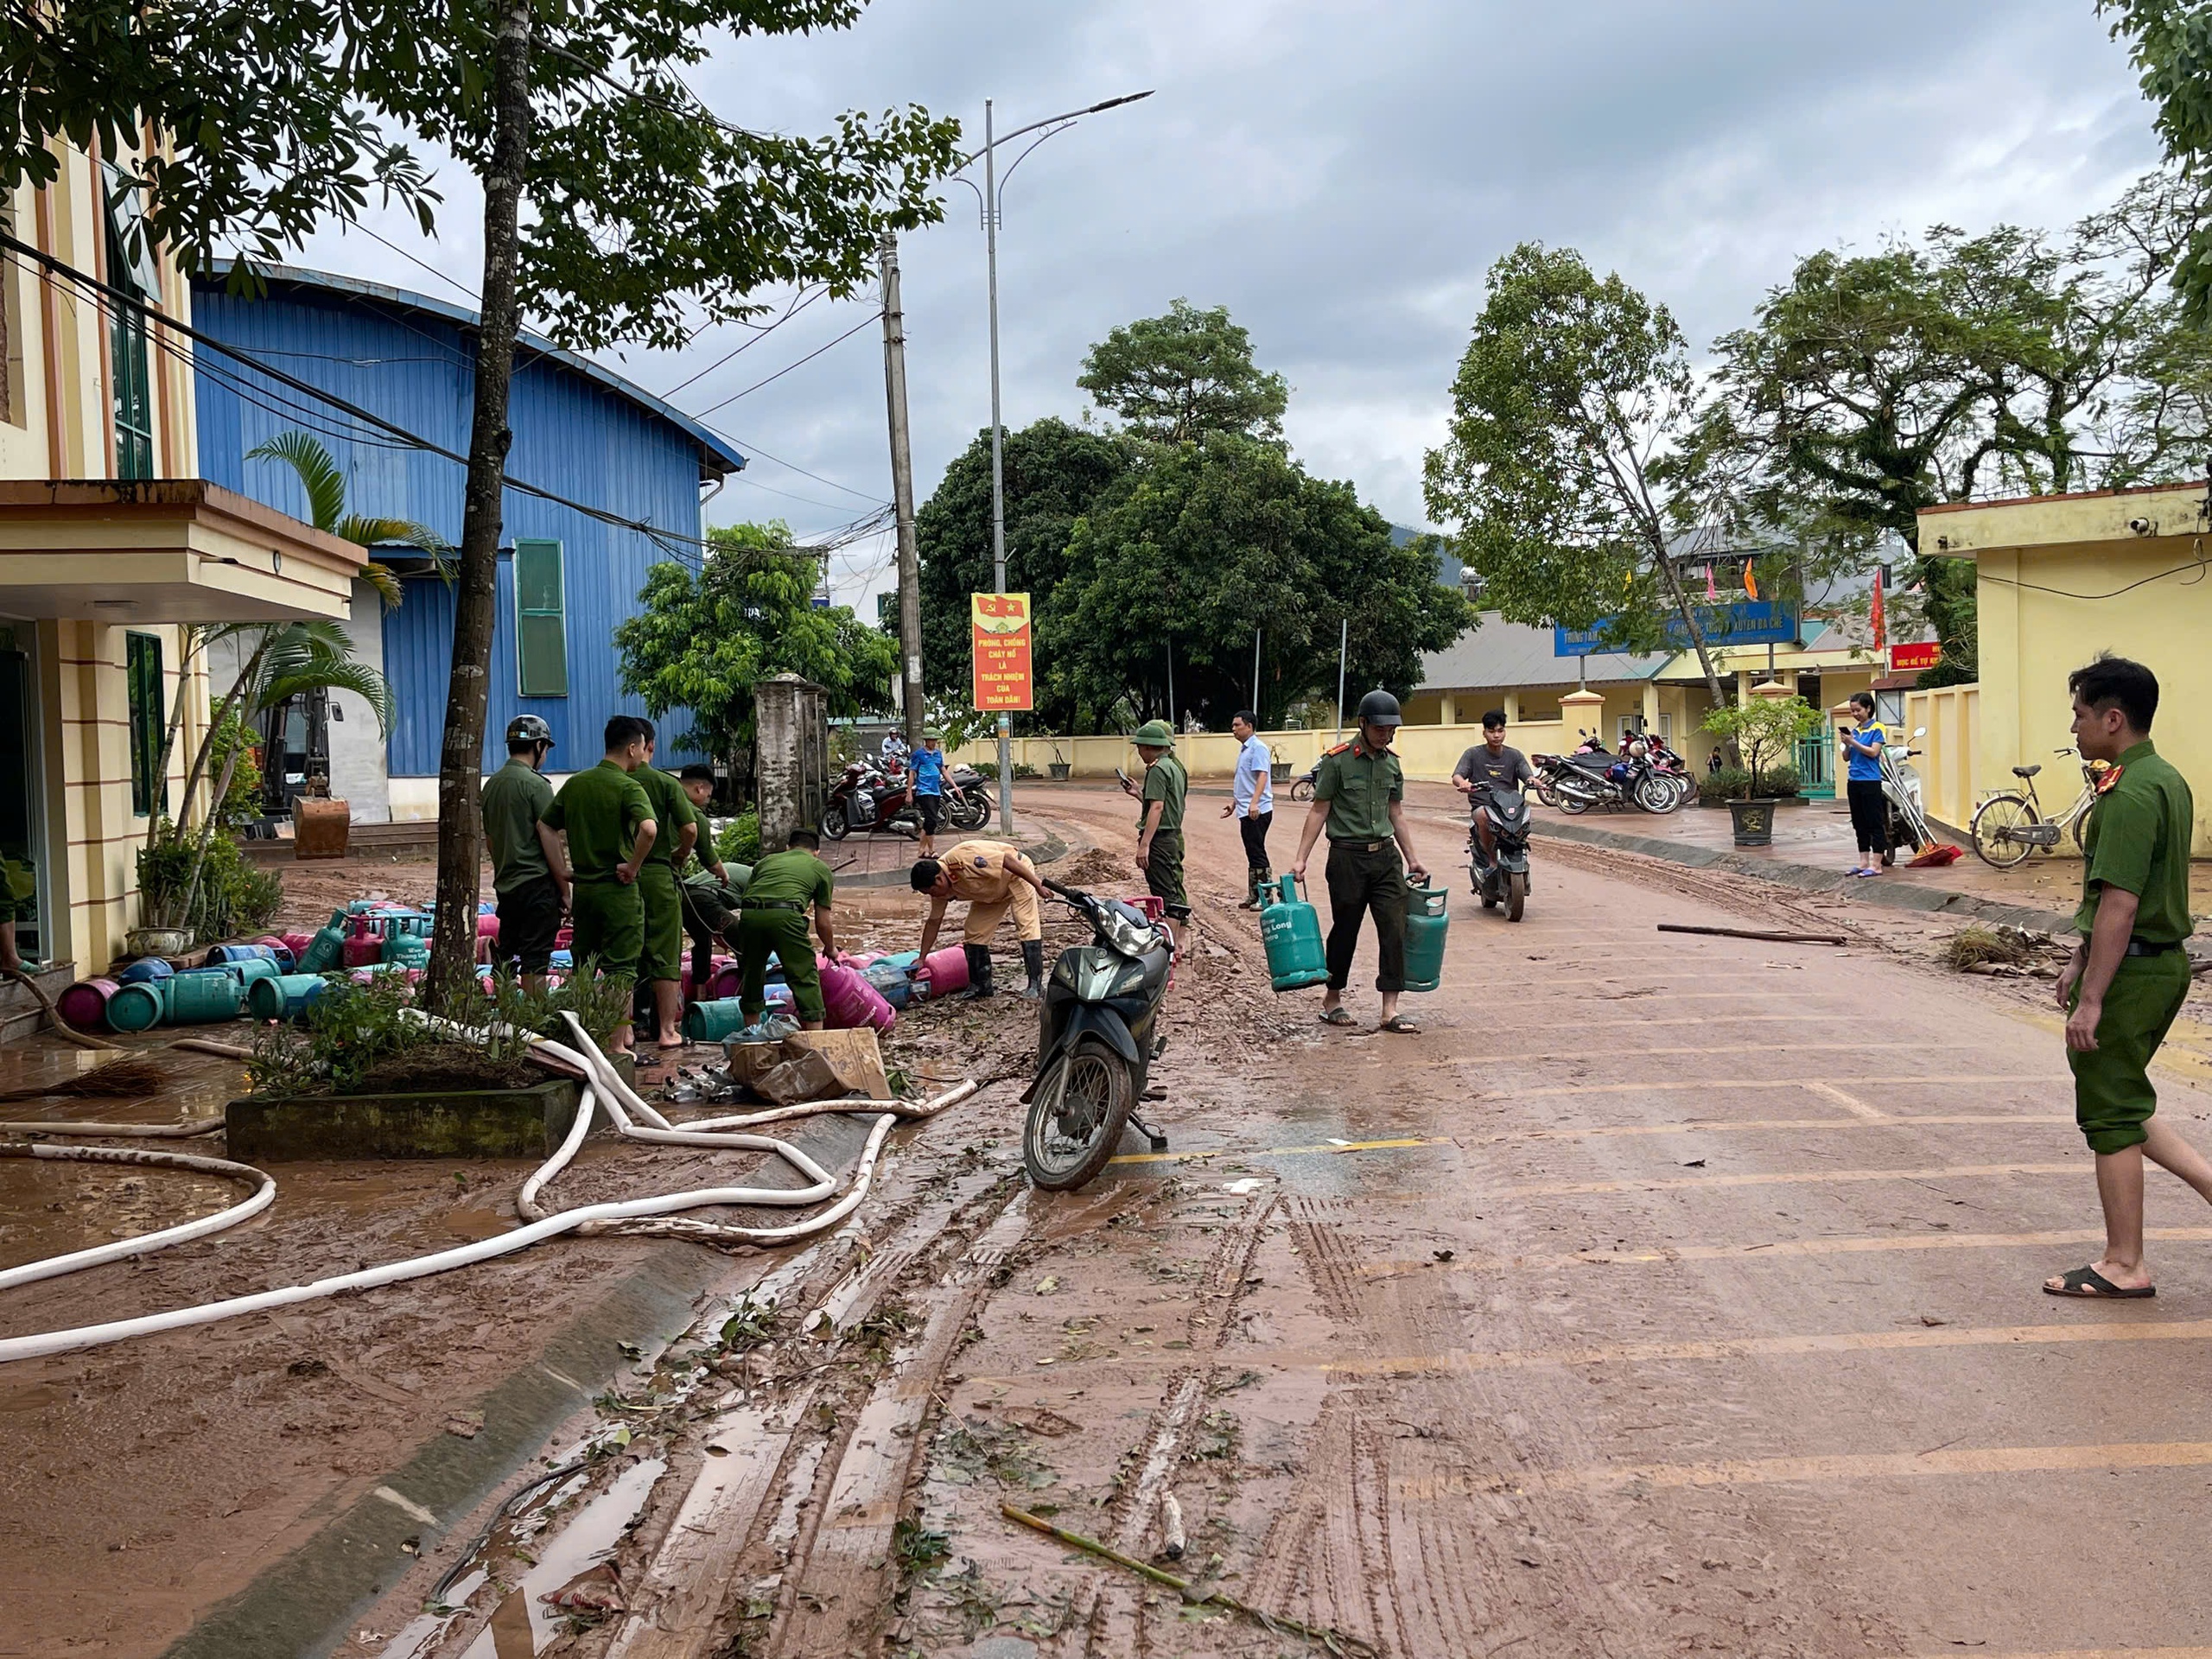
1863 743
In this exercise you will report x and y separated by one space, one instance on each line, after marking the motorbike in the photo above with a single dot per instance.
1908 819
1672 767
968 805
1592 776
866 799
1097 1042
1502 880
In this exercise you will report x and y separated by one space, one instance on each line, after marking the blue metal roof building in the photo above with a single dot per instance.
580 430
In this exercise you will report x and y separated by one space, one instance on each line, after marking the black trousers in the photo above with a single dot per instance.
1361 882
1870 814
710 923
1254 828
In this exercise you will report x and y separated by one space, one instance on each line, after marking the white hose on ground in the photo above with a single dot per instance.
120 1131
619 1101
53 1267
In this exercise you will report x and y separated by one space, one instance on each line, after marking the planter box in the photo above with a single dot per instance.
1754 822
1059 770
451 1123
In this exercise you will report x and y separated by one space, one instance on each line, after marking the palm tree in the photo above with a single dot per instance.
277 660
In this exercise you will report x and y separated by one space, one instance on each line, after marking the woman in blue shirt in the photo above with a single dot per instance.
1869 808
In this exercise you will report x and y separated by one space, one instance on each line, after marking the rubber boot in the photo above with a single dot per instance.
1033 958
1259 876
979 973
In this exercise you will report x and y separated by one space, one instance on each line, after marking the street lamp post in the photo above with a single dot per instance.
1050 125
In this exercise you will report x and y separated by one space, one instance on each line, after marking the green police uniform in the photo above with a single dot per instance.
662 957
599 810
515 797
2138 841
1167 782
1365 871
780 900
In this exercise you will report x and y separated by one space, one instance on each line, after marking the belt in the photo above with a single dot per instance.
770 904
1361 846
2146 948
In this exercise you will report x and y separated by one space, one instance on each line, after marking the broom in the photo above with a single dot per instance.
132 1078
1929 858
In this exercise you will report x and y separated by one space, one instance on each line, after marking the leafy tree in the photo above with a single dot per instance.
704 640
1054 473
325 486
647 214
1207 541
1562 467
2170 46
1171 378
1872 386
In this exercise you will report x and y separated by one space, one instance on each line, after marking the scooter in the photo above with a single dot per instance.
968 805
1097 1043
1504 879
867 800
1908 819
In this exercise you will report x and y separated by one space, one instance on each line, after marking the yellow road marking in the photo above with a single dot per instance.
1843 1342
1817 1085
1865 1465
1560 1189
1664 1254
1849 1102
2087 1653
1722 1125
1283 1152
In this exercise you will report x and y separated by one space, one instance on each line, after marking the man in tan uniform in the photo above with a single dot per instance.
992 876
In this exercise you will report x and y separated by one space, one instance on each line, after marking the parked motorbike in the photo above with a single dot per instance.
1592 776
866 799
1672 767
968 805
1502 880
1097 1043
1908 818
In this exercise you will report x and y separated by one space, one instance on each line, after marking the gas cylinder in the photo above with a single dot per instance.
203 995
252 970
1291 932
138 1006
850 1001
145 970
1427 917
711 1022
228 953
286 997
943 971
407 949
84 1005
326 949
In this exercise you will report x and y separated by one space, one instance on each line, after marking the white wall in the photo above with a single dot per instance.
356 747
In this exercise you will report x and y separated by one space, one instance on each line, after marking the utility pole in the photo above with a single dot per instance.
1255 676
902 497
1343 656
998 451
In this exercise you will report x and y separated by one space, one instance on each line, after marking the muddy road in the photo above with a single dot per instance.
1664 1295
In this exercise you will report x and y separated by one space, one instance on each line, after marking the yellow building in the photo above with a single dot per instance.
108 540
2062 578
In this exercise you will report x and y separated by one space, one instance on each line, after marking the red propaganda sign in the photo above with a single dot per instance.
1910 659
1000 645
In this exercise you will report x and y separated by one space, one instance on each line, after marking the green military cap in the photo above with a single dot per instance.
1154 734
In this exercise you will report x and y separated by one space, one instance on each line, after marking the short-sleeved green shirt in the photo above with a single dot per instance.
1359 784
515 798
599 810
2138 840
1167 782
794 876
672 810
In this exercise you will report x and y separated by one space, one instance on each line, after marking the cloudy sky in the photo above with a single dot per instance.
1339 174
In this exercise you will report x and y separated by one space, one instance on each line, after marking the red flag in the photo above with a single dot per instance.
1751 581
1879 621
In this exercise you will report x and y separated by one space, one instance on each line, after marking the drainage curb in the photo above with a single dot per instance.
1807 878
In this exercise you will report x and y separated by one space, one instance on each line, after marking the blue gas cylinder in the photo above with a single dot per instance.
1291 932
1428 915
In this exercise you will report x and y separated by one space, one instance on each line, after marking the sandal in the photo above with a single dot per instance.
1400 1024
2088 1281
1337 1016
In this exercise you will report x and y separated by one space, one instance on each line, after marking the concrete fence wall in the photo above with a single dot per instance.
1425 752
1950 753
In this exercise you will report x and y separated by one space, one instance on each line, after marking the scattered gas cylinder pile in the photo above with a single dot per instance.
865 989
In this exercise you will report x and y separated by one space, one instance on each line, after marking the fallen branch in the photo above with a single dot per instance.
1334 1641
209 1045
61 1026
1756 933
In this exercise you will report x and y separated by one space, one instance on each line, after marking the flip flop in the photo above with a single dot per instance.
2088 1281
1336 1017
1401 1025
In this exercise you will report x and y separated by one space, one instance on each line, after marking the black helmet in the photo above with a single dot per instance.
1380 708
528 728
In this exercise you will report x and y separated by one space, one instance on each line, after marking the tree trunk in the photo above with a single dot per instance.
452 950
1667 574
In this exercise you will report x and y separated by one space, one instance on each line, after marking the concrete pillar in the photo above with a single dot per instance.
1583 710
1513 707
789 756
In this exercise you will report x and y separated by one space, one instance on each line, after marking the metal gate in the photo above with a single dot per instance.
1816 766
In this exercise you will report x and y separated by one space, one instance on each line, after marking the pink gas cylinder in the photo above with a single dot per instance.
850 1001
945 971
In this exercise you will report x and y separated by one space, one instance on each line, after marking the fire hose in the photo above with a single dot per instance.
603 1089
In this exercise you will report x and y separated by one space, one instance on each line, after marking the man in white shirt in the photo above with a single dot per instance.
1254 803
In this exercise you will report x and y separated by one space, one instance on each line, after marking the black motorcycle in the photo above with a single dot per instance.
968 805
1502 880
1097 1044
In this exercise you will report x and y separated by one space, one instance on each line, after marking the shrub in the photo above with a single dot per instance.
1764 730
990 769
1023 769
234 896
1782 783
738 842
1727 783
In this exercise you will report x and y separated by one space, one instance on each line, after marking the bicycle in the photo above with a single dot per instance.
2007 827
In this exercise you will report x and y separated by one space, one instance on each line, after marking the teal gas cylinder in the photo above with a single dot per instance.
1291 931
204 996
1428 915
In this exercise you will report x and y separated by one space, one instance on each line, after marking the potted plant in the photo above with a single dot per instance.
1277 768
1058 765
1763 729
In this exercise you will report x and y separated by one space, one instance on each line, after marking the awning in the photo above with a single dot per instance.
165 550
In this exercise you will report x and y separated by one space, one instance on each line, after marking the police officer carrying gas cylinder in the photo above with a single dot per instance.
1359 797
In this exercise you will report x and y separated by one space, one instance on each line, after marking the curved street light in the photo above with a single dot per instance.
989 198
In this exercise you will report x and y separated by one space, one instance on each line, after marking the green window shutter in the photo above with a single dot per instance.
131 267
541 622
149 787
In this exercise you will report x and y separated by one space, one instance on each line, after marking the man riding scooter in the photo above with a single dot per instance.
1490 763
